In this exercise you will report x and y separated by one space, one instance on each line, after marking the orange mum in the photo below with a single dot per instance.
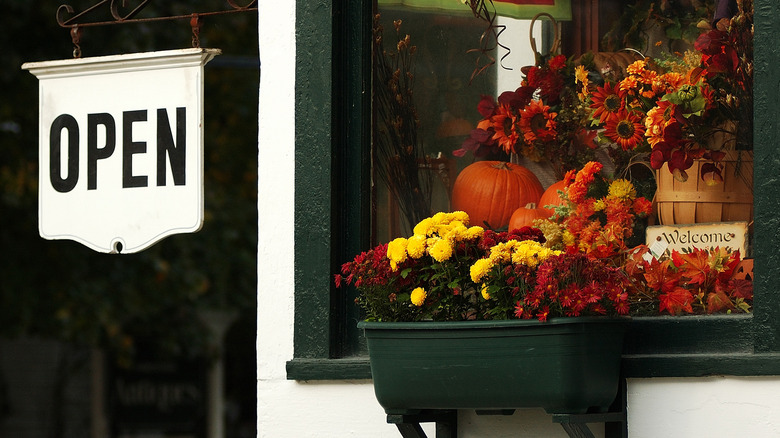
579 187
658 118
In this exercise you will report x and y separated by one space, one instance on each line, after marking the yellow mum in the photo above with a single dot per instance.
502 252
396 250
457 232
528 253
622 189
418 296
474 232
440 218
479 269
523 255
568 238
485 293
424 227
461 216
441 250
415 246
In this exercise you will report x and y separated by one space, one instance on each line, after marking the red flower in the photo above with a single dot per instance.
726 62
486 106
557 62
711 42
543 314
642 206
519 309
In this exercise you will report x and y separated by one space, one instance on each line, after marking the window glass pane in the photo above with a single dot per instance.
429 84
430 75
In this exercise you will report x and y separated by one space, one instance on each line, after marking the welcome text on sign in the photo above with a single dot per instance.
692 237
66 126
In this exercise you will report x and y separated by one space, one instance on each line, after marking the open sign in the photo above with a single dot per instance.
121 148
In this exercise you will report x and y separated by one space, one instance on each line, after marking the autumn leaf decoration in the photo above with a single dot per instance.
700 281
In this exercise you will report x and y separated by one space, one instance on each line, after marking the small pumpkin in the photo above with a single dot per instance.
490 191
552 197
525 216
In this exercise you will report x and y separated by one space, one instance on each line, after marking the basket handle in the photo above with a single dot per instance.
556 43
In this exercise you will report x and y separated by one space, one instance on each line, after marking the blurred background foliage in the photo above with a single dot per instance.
63 290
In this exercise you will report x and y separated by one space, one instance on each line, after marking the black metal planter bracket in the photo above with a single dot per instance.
576 425
615 421
446 421
409 424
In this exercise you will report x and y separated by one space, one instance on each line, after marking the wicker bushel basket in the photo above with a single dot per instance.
693 201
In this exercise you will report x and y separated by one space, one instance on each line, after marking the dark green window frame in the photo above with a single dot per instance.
332 188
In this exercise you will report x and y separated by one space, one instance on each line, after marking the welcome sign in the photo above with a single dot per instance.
121 148
684 238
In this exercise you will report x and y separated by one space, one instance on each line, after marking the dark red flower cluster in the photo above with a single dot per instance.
573 284
370 268
718 53
547 79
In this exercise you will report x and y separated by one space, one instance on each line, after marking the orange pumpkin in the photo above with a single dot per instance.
551 196
525 216
490 191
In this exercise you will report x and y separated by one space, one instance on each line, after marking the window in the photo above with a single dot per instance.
332 198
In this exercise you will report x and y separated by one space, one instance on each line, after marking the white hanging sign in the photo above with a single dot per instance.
121 148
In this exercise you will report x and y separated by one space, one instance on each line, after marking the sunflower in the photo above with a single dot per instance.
606 101
581 77
503 123
626 130
537 122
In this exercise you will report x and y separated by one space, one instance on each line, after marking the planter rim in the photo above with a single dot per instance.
489 324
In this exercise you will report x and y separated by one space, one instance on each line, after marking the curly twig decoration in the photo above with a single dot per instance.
481 10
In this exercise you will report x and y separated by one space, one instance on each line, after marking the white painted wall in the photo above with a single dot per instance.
706 407
711 407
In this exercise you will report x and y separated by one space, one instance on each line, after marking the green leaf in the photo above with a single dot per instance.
674 32
691 33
